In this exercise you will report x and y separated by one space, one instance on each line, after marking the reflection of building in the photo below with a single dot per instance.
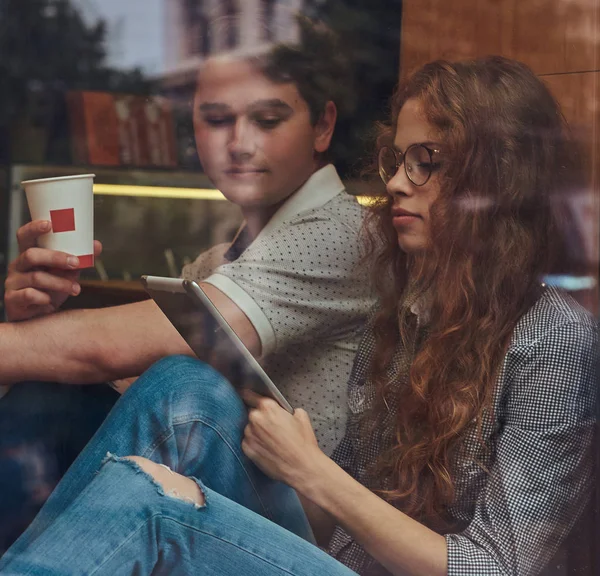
197 28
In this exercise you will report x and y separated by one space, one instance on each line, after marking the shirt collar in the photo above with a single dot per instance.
321 187
421 310
238 245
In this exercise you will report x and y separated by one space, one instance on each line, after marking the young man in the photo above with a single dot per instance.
288 284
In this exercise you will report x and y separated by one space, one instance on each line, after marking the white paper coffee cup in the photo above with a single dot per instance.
68 202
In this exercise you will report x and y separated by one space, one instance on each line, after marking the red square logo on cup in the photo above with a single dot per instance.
63 220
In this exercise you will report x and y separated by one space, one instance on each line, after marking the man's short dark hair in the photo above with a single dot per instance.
316 64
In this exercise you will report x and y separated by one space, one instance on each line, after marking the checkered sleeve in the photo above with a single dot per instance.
541 477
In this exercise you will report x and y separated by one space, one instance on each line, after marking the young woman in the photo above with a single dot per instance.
471 401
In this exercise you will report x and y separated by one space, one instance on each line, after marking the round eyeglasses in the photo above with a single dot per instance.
418 163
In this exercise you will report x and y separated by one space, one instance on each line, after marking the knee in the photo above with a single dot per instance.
172 484
180 369
173 374
188 380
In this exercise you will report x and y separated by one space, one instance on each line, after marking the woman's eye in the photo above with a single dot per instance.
430 166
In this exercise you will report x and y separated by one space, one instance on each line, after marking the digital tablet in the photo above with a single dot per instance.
209 335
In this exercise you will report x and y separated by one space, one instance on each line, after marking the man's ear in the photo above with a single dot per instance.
325 127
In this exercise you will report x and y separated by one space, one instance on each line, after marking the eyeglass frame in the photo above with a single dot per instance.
400 156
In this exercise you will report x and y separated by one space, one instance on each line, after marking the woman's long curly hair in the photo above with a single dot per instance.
493 233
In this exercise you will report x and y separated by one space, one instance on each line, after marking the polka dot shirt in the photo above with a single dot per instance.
300 285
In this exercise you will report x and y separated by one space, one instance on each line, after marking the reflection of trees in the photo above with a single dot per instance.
370 32
46 48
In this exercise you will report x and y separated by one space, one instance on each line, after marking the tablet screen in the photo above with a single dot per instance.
209 336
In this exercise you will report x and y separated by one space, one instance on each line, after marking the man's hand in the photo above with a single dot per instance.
40 280
282 445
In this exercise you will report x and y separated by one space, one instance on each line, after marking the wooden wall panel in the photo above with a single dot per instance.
434 29
555 35
579 96
549 35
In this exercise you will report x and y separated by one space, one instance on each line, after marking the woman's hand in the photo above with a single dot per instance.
285 448
282 445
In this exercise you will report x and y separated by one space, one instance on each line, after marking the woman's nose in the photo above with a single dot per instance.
399 184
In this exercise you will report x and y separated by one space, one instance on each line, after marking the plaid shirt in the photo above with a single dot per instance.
539 459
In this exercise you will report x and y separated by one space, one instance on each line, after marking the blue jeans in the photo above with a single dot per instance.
183 414
43 427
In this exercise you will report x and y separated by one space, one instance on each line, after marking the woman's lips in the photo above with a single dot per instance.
401 217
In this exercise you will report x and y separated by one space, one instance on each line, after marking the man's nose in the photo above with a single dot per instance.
241 142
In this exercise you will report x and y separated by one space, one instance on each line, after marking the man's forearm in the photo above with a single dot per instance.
88 346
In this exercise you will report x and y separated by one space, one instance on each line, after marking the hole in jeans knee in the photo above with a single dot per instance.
172 484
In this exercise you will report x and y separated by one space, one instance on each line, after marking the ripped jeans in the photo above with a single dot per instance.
108 517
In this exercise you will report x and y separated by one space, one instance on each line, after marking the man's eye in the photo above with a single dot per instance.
218 121
267 122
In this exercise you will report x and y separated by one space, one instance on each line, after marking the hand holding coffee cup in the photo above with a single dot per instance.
53 247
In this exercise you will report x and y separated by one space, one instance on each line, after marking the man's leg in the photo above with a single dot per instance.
185 415
128 521
43 426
